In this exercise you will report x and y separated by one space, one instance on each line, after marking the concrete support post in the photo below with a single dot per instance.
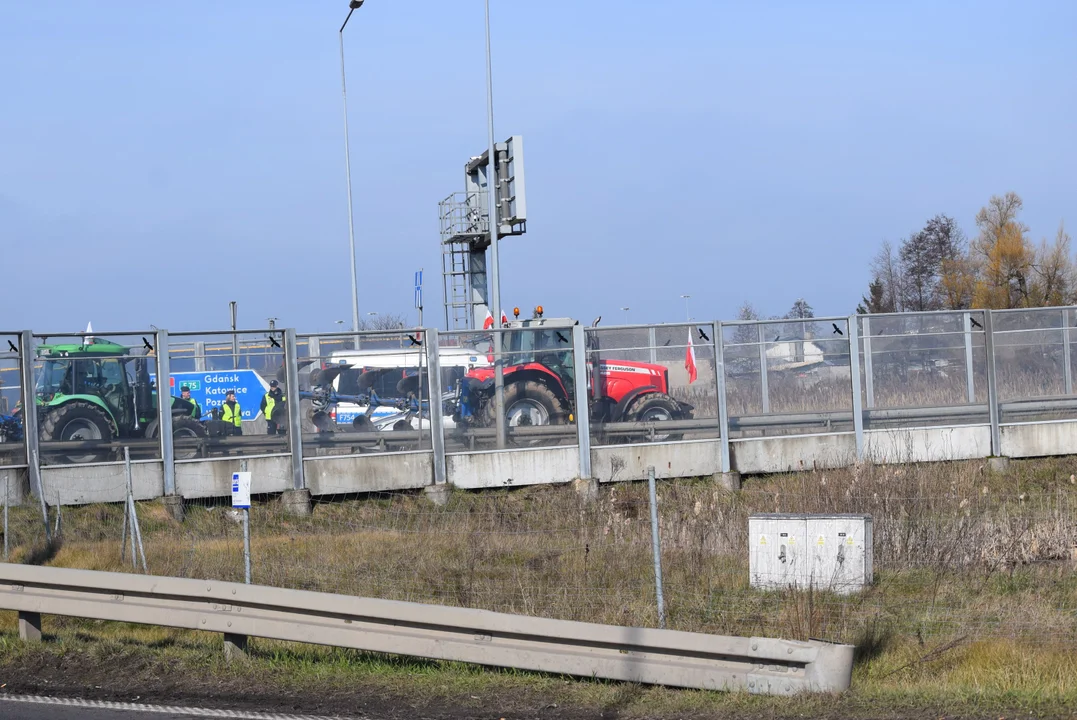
437 419
992 385
164 412
652 343
438 494
174 506
854 377
30 627
200 356
869 373
296 502
314 348
763 385
295 417
235 647
582 409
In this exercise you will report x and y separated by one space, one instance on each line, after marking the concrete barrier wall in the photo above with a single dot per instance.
753 456
369 473
693 458
511 468
213 478
101 483
388 472
1039 439
934 444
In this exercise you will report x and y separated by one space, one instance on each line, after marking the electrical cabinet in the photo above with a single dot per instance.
826 552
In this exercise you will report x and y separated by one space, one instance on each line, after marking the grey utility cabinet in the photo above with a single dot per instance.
826 552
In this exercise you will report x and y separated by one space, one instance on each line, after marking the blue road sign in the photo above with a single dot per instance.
208 389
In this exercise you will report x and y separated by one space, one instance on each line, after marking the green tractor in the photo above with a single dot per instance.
99 391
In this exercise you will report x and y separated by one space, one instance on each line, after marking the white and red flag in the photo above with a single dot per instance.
690 360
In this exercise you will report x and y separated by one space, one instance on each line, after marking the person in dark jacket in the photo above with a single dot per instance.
271 400
185 395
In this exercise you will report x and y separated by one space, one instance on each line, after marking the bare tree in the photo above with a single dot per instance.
1054 277
922 255
886 269
744 334
384 321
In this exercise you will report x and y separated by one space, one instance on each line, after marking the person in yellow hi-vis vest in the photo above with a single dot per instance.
231 413
270 400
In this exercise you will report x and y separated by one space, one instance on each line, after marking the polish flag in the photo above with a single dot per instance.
489 322
690 360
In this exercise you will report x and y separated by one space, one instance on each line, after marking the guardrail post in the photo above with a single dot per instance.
969 367
869 373
31 434
437 419
582 409
164 414
763 384
656 548
992 385
30 627
235 647
854 378
297 501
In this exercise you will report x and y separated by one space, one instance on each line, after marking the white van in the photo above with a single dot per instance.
395 365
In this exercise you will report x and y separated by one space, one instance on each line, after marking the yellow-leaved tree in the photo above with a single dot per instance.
1003 256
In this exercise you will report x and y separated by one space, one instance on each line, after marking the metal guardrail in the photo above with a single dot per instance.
643 655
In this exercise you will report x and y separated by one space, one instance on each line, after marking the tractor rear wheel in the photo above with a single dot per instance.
654 407
72 422
527 404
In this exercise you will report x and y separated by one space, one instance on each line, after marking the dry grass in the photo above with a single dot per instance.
958 550
978 564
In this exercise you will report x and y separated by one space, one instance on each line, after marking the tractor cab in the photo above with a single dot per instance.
101 373
542 341
540 346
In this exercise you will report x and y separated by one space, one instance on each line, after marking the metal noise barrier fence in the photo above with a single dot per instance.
659 657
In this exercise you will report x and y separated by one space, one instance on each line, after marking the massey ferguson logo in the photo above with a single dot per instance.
607 369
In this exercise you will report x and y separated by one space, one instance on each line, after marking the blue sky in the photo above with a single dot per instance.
158 160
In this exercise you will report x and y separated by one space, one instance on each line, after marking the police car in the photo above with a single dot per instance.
391 366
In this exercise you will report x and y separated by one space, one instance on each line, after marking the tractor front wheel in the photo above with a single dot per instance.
73 422
190 430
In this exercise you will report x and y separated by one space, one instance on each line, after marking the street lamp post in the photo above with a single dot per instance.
353 5
626 309
686 315
495 282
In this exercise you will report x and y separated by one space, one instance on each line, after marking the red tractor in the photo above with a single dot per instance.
540 382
